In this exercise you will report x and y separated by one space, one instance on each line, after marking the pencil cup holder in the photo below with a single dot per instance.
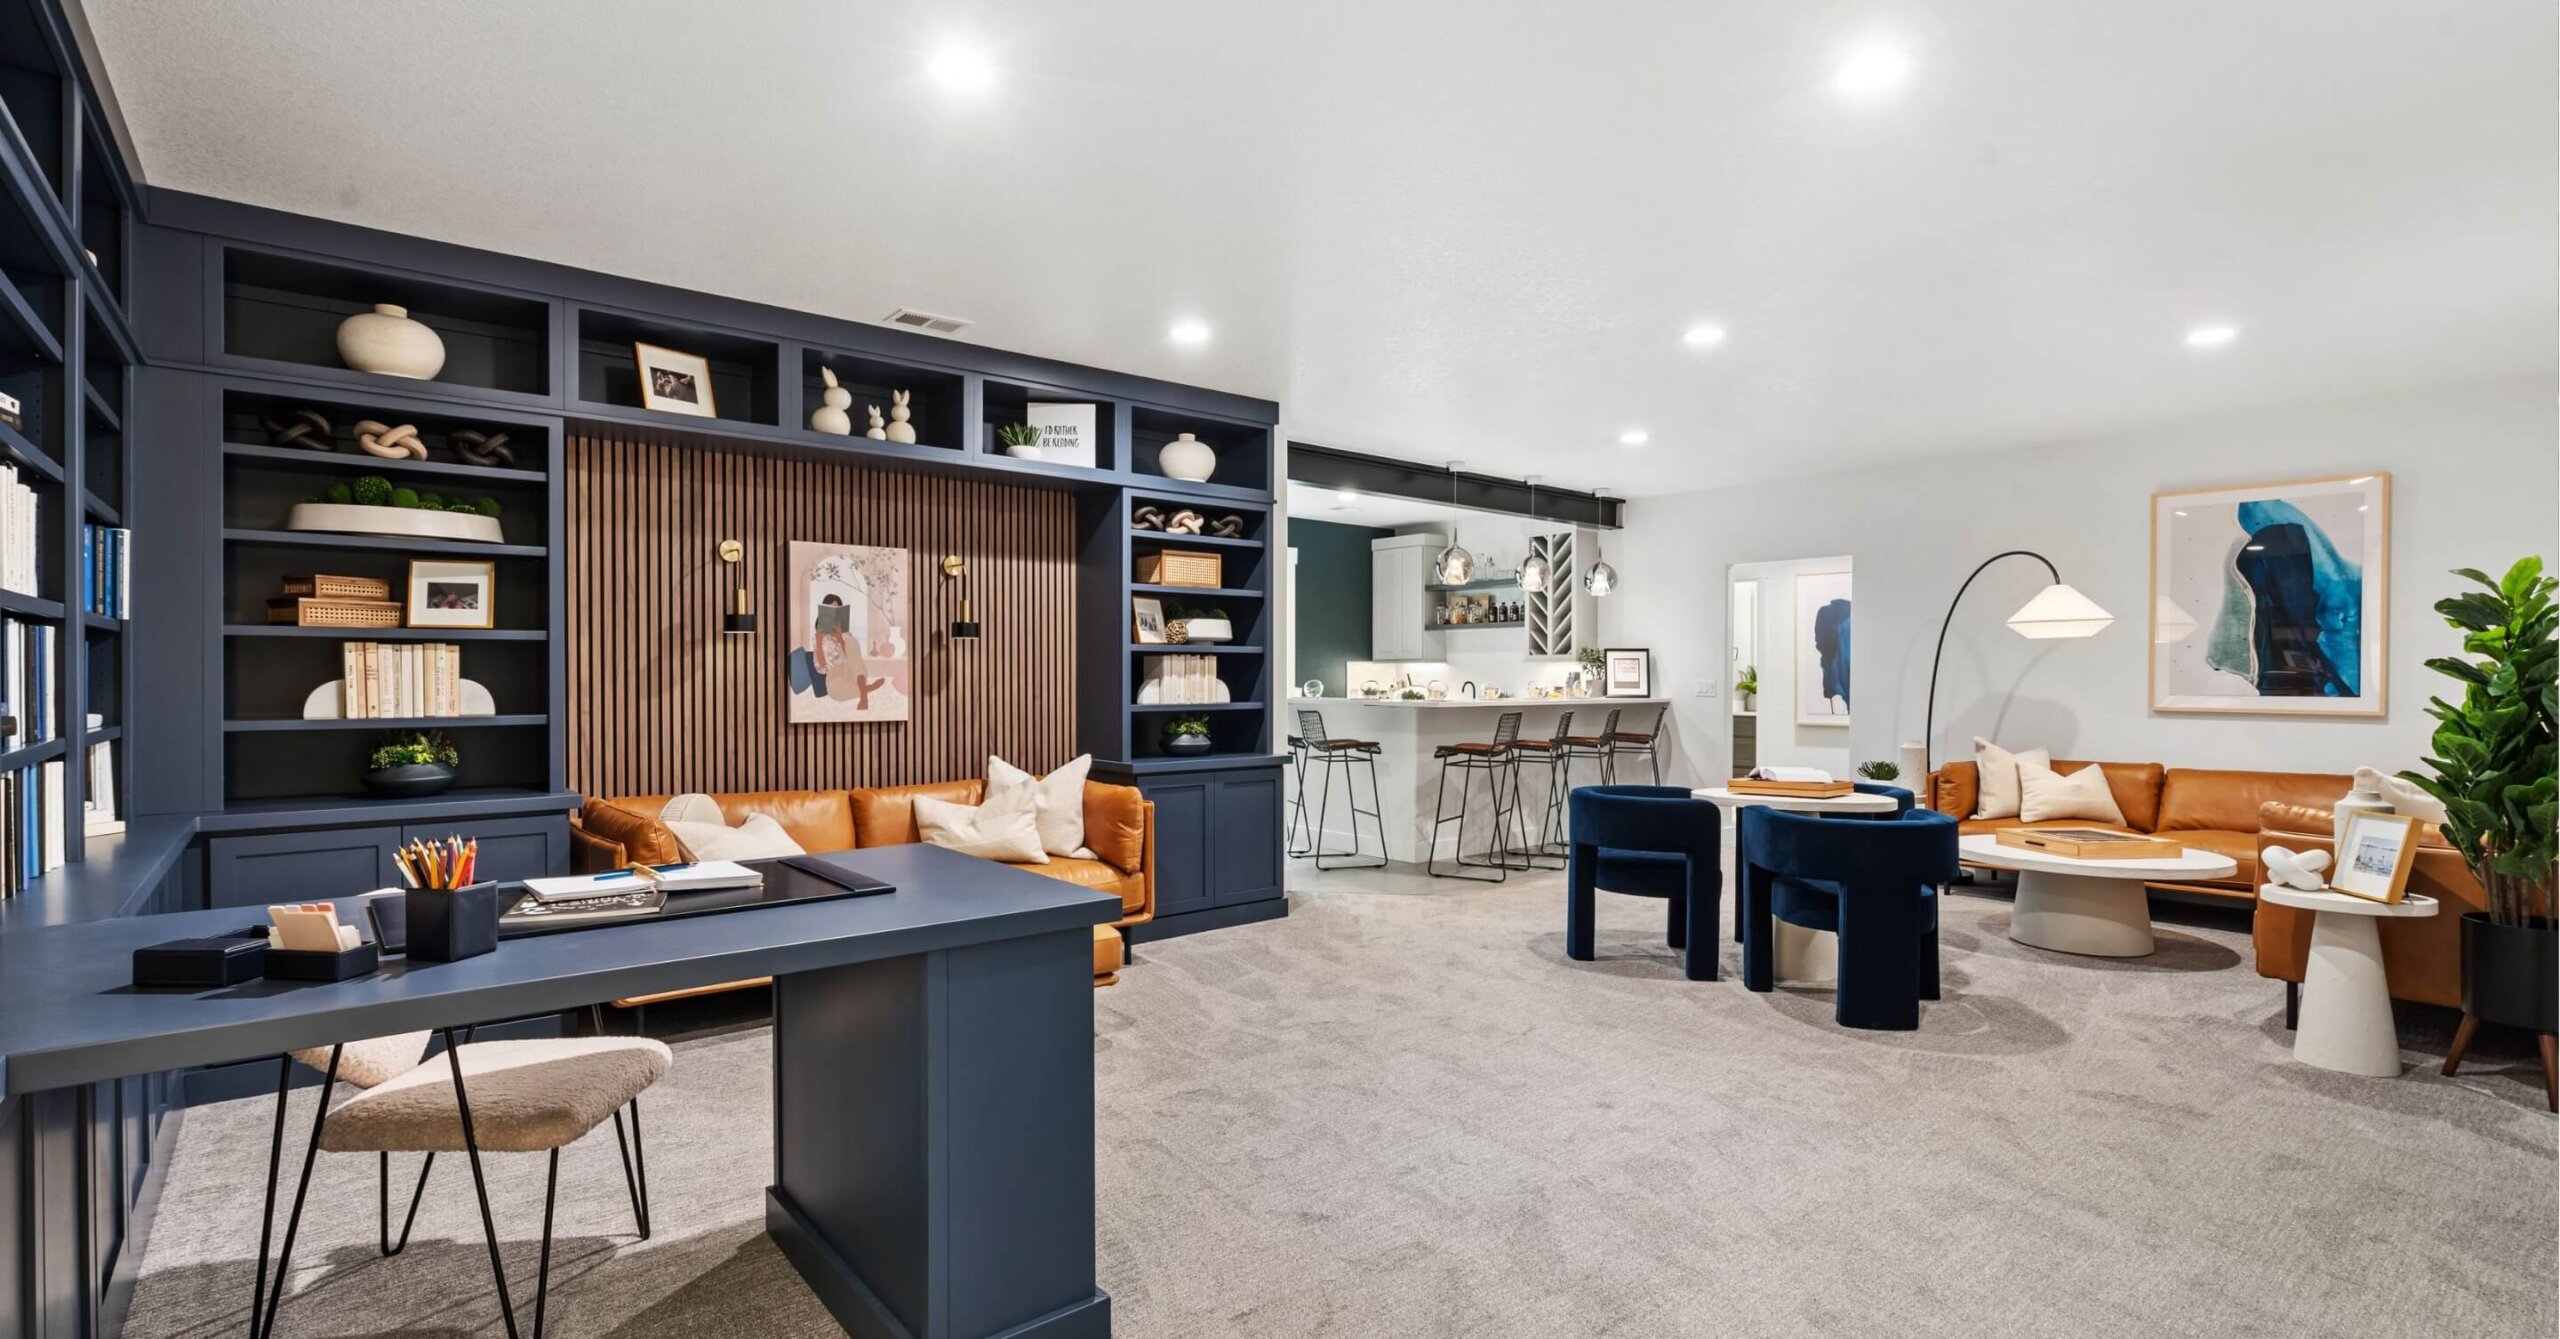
450 924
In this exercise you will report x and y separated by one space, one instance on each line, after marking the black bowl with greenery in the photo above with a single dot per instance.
1187 735
411 765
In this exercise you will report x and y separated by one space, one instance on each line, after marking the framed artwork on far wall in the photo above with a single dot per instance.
2272 599
1626 672
1822 648
452 594
848 634
673 382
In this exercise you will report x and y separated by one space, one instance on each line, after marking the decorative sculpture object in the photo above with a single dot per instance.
1187 458
1227 527
831 416
2296 869
385 340
875 432
899 429
1147 518
303 430
1184 522
482 448
390 443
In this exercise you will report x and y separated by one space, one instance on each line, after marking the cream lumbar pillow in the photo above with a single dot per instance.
1996 770
2044 793
1057 801
705 832
1008 832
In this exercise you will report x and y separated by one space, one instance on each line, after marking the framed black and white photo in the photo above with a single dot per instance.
446 594
1626 672
2374 860
674 383
1147 615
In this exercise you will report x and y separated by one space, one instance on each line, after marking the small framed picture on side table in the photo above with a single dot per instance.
452 594
2374 861
1628 672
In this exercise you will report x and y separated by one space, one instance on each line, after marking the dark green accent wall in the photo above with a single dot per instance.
1332 594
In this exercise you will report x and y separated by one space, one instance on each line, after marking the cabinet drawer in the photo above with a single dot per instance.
299 866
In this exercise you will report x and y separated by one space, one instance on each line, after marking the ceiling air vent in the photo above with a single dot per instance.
916 320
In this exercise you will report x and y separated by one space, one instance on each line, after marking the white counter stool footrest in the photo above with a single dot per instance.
2346 1022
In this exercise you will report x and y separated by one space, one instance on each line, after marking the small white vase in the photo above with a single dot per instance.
1023 450
1187 458
385 340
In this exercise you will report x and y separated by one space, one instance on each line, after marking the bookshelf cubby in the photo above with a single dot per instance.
746 381
279 308
1003 402
1244 453
937 399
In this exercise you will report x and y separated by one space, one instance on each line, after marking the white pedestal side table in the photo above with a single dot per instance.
1807 957
2346 1022
2095 908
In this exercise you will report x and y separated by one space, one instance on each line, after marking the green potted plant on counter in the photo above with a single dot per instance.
1187 735
1747 688
1592 661
2493 770
409 764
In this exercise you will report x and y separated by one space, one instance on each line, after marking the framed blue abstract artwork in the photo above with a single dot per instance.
1822 648
2272 598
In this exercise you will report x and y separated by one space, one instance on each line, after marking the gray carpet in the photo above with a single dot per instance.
1402 1112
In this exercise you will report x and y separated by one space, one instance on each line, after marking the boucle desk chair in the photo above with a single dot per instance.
498 1096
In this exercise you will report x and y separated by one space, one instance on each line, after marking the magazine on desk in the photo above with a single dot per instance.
700 877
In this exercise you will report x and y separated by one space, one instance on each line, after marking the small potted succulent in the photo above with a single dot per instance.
411 764
1881 772
1186 735
1020 440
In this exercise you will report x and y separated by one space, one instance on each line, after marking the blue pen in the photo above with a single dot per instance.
627 874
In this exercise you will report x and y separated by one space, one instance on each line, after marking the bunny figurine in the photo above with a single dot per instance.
830 417
874 432
899 429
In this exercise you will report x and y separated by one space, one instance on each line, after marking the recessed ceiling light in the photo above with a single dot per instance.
1871 71
1634 437
962 69
1703 336
1189 334
2212 336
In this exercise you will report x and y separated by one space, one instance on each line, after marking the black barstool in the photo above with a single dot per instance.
1551 844
1499 761
1592 748
1341 755
1629 743
1298 797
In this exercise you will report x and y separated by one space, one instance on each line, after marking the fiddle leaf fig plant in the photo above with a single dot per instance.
2495 754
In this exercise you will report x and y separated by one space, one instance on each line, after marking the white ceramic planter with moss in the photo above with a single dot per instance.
1207 630
412 522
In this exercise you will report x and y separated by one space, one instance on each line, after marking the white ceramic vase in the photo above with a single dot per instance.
1187 458
385 340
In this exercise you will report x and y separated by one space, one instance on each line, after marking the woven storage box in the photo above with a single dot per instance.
1181 567
326 587
314 613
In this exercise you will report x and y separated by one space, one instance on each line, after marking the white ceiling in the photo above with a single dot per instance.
1475 228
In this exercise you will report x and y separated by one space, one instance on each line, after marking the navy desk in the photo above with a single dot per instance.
933 1065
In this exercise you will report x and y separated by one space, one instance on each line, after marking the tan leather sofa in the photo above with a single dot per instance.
1119 828
2421 955
2210 810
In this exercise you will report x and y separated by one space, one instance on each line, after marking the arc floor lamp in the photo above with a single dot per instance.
2057 611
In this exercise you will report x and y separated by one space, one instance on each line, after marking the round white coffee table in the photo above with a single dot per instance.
2096 908
1804 956
2346 1022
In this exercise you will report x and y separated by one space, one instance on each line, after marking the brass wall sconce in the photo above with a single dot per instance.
738 620
965 628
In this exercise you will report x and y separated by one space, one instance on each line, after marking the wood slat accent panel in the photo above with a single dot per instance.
661 701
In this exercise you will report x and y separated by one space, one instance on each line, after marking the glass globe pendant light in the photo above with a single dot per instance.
1533 569
1599 578
1455 566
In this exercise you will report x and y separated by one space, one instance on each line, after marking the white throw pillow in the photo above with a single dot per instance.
1996 774
693 808
759 838
2407 798
1057 801
2044 794
1011 835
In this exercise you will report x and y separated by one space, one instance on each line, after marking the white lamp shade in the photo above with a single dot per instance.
2059 611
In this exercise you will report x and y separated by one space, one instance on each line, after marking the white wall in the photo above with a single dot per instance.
2475 482
1783 743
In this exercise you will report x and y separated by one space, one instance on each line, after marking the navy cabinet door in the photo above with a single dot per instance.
1245 865
510 848
299 866
1182 845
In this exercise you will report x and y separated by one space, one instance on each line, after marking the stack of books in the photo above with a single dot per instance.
99 808
385 679
1184 679
326 601
30 825
27 679
18 534
103 584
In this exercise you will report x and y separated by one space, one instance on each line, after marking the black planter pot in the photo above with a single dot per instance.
1186 744
2511 974
409 781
